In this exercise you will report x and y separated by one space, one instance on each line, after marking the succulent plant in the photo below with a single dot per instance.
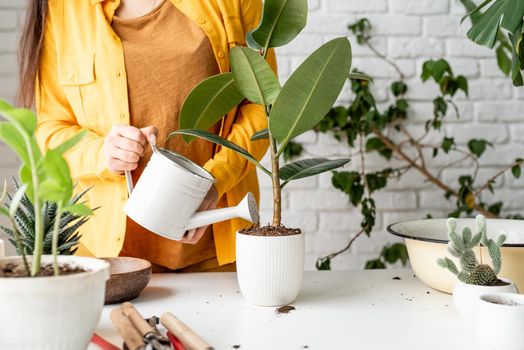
461 246
68 236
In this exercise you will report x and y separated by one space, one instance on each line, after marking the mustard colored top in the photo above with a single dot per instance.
83 85
165 55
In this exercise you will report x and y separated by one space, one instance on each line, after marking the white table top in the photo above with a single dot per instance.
335 310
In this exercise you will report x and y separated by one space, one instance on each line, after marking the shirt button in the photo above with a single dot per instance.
118 74
220 54
118 239
69 76
201 20
122 116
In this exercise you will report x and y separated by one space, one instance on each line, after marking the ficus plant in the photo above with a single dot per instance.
44 177
499 24
291 109
406 147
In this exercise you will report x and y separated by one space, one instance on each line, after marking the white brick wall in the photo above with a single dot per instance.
409 31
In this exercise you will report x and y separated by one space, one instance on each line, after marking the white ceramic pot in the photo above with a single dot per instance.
52 313
466 297
499 326
270 269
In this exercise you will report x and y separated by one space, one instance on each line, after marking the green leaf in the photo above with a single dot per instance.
473 9
310 91
462 83
282 21
11 137
503 60
79 209
376 144
67 145
206 135
4 191
360 76
253 76
292 150
309 167
208 102
513 14
398 88
478 147
516 171
375 264
447 144
484 31
260 135
323 264
23 119
57 185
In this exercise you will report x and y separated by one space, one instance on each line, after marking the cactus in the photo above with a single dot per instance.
461 246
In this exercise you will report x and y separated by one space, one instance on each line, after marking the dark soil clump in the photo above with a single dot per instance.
17 270
396 278
285 309
271 231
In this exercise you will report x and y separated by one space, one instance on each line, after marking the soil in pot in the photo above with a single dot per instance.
18 270
271 231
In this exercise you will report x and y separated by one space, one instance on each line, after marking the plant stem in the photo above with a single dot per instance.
346 248
425 172
275 177
56 230
20 246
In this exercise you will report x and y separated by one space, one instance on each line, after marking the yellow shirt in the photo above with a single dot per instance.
82 84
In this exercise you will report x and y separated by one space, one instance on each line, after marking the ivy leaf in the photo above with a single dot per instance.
516 170
447 144
375 264
398 88
323 264
478 146
292 150
376 144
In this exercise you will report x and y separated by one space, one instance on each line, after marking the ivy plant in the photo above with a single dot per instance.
44 177
291 109
369 130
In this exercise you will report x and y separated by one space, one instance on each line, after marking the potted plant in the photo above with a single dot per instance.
47 301
475 278
270 259
500 321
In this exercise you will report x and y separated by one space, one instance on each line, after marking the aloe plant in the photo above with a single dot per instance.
24 218
291 109
44 177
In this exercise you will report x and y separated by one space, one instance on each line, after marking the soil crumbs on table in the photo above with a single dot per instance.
285 309
236 346
396 278
18 270
270 231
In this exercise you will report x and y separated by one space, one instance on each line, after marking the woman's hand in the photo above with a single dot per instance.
124 146
209 202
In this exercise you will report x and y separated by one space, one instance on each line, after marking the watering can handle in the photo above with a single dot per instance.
129 178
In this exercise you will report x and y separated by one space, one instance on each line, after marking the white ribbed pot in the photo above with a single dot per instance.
270 268
52 313
466 297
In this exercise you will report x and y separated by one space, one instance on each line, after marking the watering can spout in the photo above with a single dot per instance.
246 209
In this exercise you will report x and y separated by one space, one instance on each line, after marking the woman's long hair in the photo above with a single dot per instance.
29 51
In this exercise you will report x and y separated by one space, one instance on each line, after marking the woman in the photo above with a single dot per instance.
121 69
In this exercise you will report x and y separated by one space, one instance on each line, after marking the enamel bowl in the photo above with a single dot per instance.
427 240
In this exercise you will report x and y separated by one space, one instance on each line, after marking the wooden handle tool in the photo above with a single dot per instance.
125 328
186 335
137 320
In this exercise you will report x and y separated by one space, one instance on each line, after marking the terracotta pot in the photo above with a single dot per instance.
52 313
270 269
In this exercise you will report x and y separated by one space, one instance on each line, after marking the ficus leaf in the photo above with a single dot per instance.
260 135
282 21
310 91
309 167
208 102
253 76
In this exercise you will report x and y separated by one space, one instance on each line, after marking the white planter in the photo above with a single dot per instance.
466 297
500 327
270 269
52 313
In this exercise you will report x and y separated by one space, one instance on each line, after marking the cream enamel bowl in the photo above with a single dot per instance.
427 240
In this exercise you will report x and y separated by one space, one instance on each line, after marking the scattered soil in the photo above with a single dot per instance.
396 278
285 309
18 270
236 346
271 231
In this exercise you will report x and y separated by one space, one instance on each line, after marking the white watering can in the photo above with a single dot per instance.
169 192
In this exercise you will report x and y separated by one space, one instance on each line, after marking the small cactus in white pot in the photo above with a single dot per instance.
475 278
